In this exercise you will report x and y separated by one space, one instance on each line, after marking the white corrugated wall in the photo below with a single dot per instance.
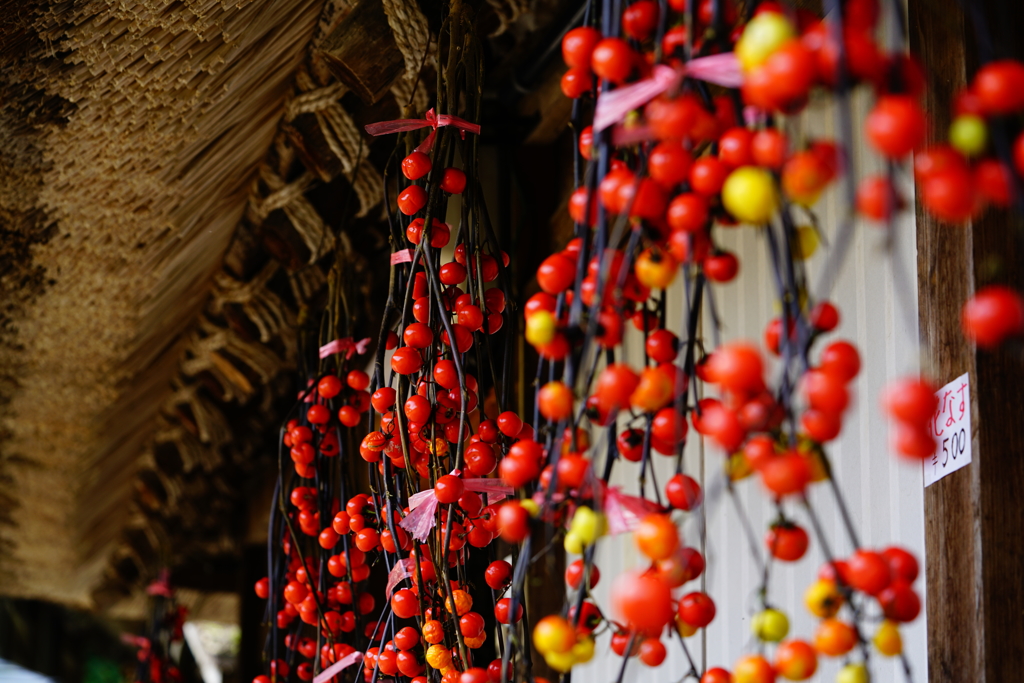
878 306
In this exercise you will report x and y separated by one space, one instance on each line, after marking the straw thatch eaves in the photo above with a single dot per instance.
154 155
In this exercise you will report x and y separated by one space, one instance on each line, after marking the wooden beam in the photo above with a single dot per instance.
974 521
361 52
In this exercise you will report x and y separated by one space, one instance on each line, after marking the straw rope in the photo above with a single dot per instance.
213 427
409 27
206 343
259 303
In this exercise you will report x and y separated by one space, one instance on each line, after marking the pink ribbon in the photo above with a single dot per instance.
423 505
624 512
429 120
420 519
140 642
612 106
623 136
162 585
401 570
336 668
346 345
402 256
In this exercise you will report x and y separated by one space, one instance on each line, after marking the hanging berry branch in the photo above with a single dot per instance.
687 125
158 652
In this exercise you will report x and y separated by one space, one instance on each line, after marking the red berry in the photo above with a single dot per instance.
868 572
786 474
640 19
556 273
896 125
911 400
735 147
707 175
448 489
498 574
578 46
453 181
993 182
406 360
876 198
412 199
683 492
999 86
992 315
696 609
329 386
652 652
669 163
949 194
642 601
416 165
688 212
721 267
574 574
613 60
768 148
787 542
576 83
824 316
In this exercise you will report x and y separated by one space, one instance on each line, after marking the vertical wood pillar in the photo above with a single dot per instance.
974 517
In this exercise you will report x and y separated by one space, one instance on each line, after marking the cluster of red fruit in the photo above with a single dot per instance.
361 530
422 432
697 167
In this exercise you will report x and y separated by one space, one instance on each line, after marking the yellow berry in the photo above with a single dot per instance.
540 328
553 634
685 630
853 673
770 625
968 134
749 195
764 34
583 650
573 544
738 467
823 599
560 661
587 525
887 639
806 242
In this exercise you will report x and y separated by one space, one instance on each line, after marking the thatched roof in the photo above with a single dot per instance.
169 174
132 134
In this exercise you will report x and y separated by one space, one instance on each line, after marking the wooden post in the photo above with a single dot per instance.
974 519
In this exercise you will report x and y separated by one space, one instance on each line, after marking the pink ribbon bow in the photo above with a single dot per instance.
347 345
423 505
429 120
612 106
624 512
336 668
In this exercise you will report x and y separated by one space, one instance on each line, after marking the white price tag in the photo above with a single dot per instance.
951 427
